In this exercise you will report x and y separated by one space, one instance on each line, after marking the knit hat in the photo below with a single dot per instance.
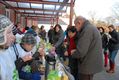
4 23
28 39
31 31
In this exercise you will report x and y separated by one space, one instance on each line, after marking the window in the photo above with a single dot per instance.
7 13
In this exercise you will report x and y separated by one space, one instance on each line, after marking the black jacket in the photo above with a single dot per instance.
50 35
42 34
104 40
20 63
113 41
58 38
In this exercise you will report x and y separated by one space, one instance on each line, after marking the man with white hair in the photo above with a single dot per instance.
88 49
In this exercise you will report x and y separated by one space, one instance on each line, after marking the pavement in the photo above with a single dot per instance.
108 76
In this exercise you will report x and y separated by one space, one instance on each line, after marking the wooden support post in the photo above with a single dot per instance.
20 19
53 22
26 21
71 12
57 20
15 17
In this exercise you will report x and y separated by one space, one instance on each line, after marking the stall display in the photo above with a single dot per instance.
51 67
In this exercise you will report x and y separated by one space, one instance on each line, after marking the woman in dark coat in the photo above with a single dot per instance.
104 44
58 39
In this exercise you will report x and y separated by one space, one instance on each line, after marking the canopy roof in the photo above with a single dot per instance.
50 9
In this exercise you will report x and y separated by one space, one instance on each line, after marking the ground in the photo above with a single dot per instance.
106 76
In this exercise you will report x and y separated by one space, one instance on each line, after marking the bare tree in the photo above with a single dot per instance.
100 23
110 20
92 15
115 10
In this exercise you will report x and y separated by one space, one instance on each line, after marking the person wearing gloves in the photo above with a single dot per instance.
7 56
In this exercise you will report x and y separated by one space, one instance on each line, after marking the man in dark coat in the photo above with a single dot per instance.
88 49
50 34
113 47
42 33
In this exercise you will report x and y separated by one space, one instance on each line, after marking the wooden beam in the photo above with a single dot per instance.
25 21
40 17
71 12
57 20
40 2
37 14
36 9
53 21
6 4
14 17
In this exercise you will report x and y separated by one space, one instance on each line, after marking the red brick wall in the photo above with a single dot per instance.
2 9
12 16
23 21
35 22
18 18
31 22
14 19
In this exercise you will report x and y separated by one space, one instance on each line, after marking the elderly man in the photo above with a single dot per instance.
88 49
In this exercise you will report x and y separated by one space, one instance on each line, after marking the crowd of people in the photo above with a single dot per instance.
110 44
83 45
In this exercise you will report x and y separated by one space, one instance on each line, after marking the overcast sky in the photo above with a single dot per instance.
102 8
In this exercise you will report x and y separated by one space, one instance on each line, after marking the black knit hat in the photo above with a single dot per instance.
29 39
71 29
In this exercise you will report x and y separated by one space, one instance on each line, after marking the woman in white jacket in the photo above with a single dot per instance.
7 56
